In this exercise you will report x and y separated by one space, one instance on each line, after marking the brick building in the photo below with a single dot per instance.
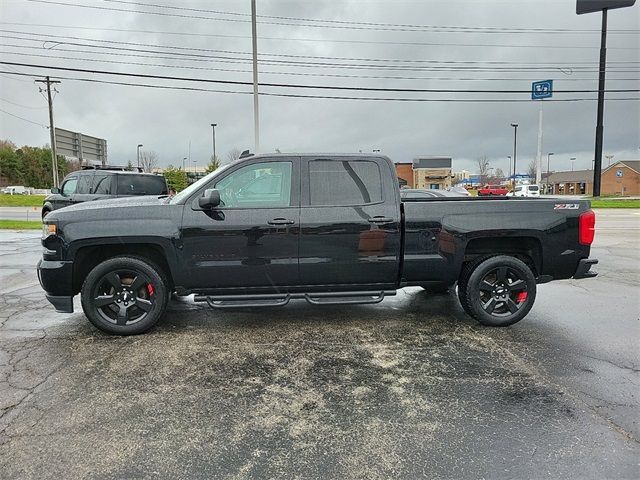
621 178
426 172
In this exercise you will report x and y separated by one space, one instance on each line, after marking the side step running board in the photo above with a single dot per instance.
279 300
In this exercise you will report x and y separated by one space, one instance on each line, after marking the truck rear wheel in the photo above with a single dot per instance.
497 291
124 295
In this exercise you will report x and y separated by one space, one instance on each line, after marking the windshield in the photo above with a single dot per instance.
186 193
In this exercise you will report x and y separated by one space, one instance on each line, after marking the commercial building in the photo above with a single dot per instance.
426 172
621 178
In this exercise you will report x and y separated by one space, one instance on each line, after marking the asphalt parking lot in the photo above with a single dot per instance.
408 388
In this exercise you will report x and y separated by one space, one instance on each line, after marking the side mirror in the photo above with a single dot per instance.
55 190
209 199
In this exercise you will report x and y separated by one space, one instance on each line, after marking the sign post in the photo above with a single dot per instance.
540 91
588 6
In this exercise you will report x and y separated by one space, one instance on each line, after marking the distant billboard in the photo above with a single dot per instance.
85 148
588 6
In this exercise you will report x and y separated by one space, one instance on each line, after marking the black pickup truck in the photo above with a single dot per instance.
324 228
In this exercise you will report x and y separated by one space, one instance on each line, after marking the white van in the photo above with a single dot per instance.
525 191
16 190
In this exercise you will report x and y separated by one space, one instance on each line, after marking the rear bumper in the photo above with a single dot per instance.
56 279
584 268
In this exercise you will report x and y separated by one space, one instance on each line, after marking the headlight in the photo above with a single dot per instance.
49 229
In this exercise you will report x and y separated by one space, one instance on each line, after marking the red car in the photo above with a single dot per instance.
489 190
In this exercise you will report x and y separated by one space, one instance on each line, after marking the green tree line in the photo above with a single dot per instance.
29 166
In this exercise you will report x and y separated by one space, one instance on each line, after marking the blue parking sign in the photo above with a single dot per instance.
543 89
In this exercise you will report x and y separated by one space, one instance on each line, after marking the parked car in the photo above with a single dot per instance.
525 191
491 190
459 190
330 229
97 184
16 190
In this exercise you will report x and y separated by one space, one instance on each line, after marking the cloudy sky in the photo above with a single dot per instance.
436 44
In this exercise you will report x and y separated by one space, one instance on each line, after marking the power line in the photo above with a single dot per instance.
322 40
309 24
22 118
289 85
264 54
352 22
20 105
306 74
435 100
415 68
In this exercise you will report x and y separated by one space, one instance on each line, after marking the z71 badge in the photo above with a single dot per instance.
566 206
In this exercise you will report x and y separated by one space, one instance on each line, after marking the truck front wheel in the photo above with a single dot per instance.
124 295
497 291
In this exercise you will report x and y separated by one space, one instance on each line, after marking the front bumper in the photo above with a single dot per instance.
584 268
55 277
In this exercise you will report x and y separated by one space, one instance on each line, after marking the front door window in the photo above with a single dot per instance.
265 185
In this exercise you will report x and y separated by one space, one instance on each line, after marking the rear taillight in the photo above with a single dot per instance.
587 227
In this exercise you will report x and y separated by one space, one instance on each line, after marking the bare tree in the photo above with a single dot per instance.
233 155
532 169
148 160
483 168
499 173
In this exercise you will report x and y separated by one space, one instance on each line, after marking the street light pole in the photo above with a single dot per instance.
213 126
183 160
509 157
572 160
515 151
138 154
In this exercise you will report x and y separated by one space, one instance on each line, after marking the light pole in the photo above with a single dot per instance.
515 151
184 160
213 127
572 160
509 157
138 154
195 167
609 157
548 172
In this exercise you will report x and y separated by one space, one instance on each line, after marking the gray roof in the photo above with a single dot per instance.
576 176
432 162
632 164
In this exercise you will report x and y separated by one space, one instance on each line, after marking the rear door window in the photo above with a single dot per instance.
344 182
141 185
533 188
102 184
84 184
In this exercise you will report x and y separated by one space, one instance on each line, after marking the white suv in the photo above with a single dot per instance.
525 191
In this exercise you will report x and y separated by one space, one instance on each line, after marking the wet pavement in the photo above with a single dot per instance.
405 389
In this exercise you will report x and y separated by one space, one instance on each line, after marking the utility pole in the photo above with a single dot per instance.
256 114
548 165
52 132
597 167
138 154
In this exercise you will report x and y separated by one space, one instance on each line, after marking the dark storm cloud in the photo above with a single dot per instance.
167 120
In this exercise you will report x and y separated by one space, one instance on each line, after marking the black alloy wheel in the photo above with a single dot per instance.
502 292
124 295
497 291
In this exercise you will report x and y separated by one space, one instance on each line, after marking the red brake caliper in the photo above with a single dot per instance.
522 296
150 289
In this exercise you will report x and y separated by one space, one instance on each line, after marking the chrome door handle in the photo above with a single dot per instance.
380 220
281 221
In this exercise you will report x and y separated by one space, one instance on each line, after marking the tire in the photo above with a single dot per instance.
497 291
125 295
